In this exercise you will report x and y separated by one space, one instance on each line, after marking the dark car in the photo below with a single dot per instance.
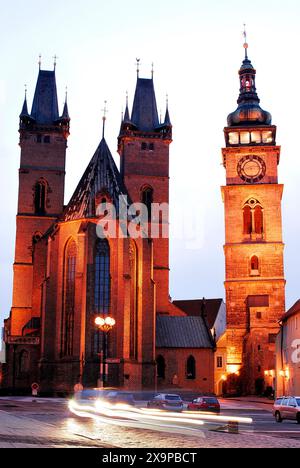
205 404
287 408
166 401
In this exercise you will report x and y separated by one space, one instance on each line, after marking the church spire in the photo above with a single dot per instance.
24 112
249 111
167 121
144 112
45 103
126 117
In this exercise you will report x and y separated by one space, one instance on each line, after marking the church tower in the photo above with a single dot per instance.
255 284
144 150
43 142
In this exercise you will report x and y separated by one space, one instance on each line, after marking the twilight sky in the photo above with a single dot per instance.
196 47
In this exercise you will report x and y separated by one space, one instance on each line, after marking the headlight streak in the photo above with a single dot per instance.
121 414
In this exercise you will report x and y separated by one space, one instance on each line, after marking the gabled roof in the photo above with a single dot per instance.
144 112
45 106
101 175
182 332
194 307
294 310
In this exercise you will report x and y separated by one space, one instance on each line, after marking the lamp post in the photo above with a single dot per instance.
105 325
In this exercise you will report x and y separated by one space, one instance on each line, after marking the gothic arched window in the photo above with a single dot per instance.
147 199
258 219
247 220
191 368
102 277
253 217
40 197
133 299
69 298
161 367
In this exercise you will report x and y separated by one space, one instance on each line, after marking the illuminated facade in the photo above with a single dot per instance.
255 284
65 274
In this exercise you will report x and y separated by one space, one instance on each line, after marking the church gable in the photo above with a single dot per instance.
101 180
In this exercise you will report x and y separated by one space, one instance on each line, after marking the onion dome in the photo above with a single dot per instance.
249 111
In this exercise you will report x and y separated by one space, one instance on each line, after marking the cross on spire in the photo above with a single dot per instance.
138 60
245 41
55 61
152 70
40 61
104 118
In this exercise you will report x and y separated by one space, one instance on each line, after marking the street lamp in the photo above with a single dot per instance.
105 325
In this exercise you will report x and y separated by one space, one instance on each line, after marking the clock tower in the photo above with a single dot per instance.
255 284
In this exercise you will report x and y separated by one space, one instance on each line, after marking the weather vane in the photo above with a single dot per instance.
245 42
104 118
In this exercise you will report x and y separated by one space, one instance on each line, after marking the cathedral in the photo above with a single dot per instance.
70 271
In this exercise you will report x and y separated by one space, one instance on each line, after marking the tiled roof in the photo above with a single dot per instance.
144 112
182 332
45 106
194 308
101 175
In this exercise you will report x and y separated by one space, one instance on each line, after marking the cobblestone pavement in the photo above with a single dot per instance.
49 424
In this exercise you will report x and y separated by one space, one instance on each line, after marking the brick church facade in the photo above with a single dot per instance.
65 274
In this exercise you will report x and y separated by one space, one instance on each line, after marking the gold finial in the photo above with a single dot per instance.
245 41
104 118
138 60
55 61
40 61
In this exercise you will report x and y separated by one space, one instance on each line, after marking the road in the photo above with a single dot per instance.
48 423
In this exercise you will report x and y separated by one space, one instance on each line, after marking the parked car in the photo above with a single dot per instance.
205 404
287 408
120 397
166 401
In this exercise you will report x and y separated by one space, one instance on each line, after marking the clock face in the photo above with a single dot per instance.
251 169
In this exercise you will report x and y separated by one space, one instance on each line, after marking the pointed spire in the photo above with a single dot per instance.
167 116
65 114
24 111
101 175
126 117
45 104
144 111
